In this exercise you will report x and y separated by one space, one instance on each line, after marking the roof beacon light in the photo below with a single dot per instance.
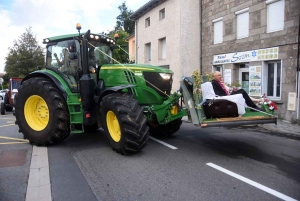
78 27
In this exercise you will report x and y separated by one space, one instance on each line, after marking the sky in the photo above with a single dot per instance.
56 17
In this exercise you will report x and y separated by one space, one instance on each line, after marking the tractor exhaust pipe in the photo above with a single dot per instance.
87 84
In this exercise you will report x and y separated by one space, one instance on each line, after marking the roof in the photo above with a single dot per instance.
145 8
130 36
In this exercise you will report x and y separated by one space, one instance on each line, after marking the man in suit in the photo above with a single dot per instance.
220 90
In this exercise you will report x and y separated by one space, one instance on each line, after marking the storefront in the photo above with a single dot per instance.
258 71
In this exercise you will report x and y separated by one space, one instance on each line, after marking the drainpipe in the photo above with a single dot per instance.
200 18
298 71
136 42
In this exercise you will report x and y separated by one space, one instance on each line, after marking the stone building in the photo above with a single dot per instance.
252 42
167 34
255 42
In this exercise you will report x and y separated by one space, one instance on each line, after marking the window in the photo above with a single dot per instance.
162 14
218 30
162 48
147 52
218 68
147 22
275 15
273 79
242 23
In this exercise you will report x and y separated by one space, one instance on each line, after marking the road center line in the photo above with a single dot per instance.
253 183
163 143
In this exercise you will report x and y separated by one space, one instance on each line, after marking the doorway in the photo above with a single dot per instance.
244 78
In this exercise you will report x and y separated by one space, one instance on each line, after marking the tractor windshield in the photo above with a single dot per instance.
65 57
100 53
15 84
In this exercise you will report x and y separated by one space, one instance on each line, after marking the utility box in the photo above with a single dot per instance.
292 101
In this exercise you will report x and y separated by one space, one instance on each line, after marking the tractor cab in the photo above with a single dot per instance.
64 55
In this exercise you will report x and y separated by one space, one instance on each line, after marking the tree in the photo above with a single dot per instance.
24 56
123 21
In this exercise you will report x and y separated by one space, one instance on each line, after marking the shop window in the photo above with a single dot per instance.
275 15
272 86
218 30
242 23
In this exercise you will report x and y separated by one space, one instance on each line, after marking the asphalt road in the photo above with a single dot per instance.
195 164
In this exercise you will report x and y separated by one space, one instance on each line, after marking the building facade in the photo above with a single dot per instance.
255 42
252 42
167 34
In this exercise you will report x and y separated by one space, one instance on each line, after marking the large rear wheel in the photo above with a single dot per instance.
41 112
124 123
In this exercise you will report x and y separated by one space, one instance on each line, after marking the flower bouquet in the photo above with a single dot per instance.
269 106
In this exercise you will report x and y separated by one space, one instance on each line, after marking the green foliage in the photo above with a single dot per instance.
235 84
120 52
123 21
24 56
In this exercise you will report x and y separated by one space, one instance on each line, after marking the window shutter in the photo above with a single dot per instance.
218 32
242 25
275 15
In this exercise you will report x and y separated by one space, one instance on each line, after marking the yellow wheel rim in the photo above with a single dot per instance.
113 126
36 112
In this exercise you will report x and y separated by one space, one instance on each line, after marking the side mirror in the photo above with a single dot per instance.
72 46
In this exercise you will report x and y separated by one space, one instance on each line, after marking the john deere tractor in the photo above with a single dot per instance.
81 90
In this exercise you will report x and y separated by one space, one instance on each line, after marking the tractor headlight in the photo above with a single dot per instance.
91 36
165 76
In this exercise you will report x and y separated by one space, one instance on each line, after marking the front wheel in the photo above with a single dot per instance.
124 123
2 108
41 112
167 129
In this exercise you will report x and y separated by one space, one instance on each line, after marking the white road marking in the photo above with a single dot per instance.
253 183
39 186
8 125
12 138
163 143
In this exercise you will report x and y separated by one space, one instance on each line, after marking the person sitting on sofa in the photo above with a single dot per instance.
230 89
220 90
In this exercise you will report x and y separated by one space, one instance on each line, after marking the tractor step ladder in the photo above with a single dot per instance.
76 114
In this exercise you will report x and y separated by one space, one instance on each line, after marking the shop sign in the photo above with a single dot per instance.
247 56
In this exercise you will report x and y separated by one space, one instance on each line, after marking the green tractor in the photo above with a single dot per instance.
81 90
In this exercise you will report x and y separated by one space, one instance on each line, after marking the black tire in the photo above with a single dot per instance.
6 103
167 130
47 118
2 108
124 123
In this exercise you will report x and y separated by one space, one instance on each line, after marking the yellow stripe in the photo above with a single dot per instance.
7 125
10 138
14 143
135 68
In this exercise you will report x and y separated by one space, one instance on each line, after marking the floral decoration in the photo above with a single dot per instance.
269 106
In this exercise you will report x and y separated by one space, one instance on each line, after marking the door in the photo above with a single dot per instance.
244 79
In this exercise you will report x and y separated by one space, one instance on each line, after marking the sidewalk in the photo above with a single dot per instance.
283 128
